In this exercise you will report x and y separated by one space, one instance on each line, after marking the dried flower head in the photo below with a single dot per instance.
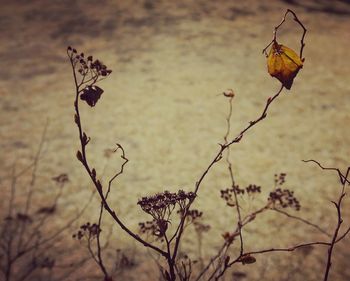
161 205
228 194
88 230
252 188
91 71
284 198
280 179
87 66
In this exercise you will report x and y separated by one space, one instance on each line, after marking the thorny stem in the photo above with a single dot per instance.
85 163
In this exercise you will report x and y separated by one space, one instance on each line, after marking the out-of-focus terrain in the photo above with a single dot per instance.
170 62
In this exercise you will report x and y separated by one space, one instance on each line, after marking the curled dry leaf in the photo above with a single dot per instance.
91 94
247 259
284 64
229 93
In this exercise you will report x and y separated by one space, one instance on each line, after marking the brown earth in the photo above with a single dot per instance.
170 62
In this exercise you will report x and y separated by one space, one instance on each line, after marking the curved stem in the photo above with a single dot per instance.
97 184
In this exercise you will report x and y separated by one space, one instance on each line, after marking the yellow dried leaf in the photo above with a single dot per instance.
284 64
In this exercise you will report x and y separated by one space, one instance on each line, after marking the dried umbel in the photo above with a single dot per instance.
88 66
284 198
252 188
228 194
161 205
88 230
90 72
280 179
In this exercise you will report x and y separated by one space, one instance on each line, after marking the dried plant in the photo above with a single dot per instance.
283 64
30 244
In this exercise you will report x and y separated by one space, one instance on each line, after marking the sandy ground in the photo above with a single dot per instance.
170 60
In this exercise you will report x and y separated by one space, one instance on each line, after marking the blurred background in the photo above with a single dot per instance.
171 61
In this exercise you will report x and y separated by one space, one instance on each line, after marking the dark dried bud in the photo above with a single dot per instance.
80 156
85 139
93 173
247 259
62 178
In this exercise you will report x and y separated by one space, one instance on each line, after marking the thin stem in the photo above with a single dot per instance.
342 178
302 220
218 157
99 255
229 166
302 43
97 184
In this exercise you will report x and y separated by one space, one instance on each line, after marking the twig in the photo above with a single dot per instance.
342 178
31 185
98 185
99 255
218 157
302 220
302 43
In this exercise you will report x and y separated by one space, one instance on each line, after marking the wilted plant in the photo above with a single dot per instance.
283 64
30 244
